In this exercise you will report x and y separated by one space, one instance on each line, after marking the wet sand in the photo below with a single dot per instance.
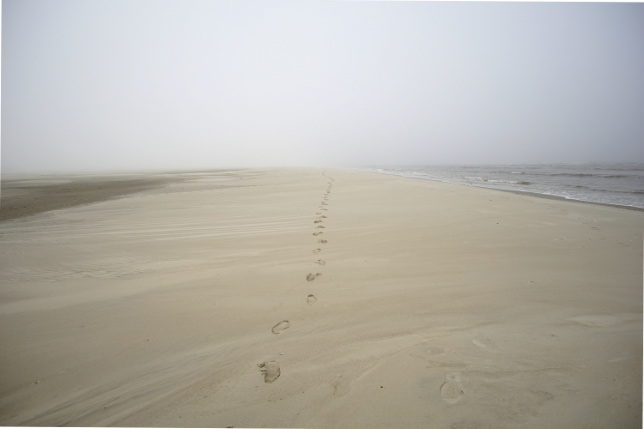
312 298
29 196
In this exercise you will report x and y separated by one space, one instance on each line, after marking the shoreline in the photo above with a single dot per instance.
87 188
518 192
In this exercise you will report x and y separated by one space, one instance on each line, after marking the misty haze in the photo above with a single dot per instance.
332 214
109 85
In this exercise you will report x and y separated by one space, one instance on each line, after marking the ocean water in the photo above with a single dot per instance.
618 184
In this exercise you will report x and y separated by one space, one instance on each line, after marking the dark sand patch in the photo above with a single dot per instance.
29 197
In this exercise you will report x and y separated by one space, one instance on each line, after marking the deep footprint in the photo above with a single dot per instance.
451 389
270 370
310 276
311 299
280 326
322 241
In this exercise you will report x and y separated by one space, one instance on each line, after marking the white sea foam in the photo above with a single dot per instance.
618 184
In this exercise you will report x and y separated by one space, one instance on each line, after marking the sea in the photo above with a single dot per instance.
617 184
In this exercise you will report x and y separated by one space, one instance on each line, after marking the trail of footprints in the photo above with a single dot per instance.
270 370
451 390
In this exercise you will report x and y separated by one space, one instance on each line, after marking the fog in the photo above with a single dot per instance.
136 84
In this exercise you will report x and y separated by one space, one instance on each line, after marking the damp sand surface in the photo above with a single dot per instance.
29 196
215 299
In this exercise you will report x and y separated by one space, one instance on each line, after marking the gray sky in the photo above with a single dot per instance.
128 84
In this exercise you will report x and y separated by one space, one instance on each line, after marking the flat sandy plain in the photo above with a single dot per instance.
317 298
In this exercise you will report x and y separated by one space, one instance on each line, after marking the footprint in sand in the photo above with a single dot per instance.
322 217
320 262
318 233
270 370
310 276
317 221
320 226
451 389
324 203
311 299
323 241
318 250
280 327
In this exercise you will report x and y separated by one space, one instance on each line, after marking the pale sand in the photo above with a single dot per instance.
211 303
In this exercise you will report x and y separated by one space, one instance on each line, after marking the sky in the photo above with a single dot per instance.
191 84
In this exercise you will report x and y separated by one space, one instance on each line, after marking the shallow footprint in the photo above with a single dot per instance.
320 262
323 241
310 276
311 299
280 326
318 233
317 221
270 370
318 250
451 389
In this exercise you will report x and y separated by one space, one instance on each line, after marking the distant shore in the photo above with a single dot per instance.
317 298
33 194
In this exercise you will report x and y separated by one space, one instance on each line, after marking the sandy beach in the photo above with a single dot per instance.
318 298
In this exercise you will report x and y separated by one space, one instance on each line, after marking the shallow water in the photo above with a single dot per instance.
619 184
